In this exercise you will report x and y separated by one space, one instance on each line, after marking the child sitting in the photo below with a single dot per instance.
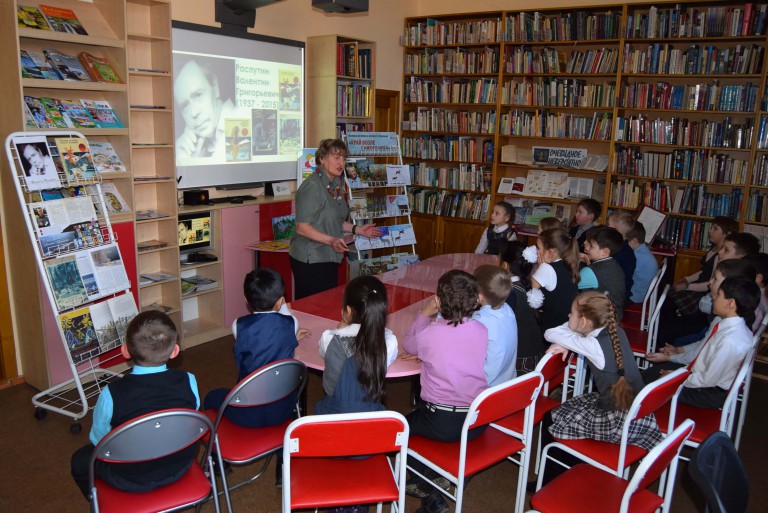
151 386
646 267
601 244
547 223
623 222
267 335
499 231
557 276
760 263
530 343
714 361
495 285
452 348
358 352
587 212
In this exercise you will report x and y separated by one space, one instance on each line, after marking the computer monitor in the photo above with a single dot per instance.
194 233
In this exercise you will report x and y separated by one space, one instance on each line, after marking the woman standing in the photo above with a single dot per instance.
318 246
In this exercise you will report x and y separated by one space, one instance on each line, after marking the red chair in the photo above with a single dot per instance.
242 445
316 473
644 342
616 458
457 460
147 438
586 489
709 420
553 369
638 315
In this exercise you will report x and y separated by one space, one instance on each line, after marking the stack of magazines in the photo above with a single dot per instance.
197 284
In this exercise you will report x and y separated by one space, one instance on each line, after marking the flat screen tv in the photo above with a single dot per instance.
238 106
194 233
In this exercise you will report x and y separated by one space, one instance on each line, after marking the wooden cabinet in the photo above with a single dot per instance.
437 235
340 86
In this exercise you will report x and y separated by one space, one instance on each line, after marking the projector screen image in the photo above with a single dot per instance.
238 106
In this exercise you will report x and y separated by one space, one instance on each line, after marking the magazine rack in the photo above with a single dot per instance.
80 265
364 149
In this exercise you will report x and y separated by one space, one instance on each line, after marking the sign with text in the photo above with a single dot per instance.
372 143
558 157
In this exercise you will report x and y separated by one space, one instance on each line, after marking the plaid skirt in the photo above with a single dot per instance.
580 417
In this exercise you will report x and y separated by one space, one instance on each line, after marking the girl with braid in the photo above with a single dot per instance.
593 331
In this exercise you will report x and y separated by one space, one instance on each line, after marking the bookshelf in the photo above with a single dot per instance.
105 21
341 86
673 94
148 26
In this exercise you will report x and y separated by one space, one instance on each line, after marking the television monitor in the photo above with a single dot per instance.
238 106
195 233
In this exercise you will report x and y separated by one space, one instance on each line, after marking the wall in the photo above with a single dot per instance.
296 19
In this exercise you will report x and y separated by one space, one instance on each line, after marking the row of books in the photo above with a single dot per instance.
663 59
46 112
523 59
714 96
631 193
466 177
47 17
197 283
436 32
685 233
97 328
454 60
52 64
684 21
440 202
353 99
558 92
562 125
449 148
343 128
576 25
435 119
760 171
459 90
352 61
762 133
757 207
703 165
685 132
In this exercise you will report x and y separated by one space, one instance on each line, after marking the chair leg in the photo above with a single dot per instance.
459 493
224 485
522 480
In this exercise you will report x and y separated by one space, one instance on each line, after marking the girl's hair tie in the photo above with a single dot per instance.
531 254
620 372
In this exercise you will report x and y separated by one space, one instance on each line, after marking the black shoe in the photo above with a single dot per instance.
416 487
433 503
278 474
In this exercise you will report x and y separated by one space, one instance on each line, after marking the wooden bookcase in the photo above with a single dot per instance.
341 86
593 77
150 97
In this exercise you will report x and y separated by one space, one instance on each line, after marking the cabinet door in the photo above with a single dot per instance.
425 229
239 226
459 236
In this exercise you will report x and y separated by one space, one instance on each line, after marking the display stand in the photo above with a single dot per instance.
364 175
79 262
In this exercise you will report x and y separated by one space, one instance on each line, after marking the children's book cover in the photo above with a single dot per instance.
31 17
289 133
78 330
398 174
306 163
290 89
76 157
66 282
63 20
67 66
113 200
397 205
37 110
237 136
283 227
44 65
28 67
105 158
29 119
77 114
264 131
99 68
102 113
51 106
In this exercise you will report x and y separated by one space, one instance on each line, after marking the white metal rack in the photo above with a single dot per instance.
70 398
377 145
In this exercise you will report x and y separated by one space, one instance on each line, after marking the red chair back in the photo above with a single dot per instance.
552 368
663 454
352 437
505 399
659 393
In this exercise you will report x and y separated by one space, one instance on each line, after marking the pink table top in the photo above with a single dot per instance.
407 291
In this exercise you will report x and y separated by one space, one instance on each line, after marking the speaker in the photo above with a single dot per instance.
196 197
341 6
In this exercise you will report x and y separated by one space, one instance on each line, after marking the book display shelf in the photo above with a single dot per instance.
670 95
35 328
82 272
341 86
378 193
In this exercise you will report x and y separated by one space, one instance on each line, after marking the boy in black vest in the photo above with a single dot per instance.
602 242
151 386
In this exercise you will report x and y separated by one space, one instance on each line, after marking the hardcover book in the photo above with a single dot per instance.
63 20
67 66
75 155
102 113
99 68
76 113
43 64
51 106
28 67
105 158
31 17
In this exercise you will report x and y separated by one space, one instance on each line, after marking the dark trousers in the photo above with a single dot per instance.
704 397
552 469
309 279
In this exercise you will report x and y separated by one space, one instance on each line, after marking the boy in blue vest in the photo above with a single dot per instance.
151 386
